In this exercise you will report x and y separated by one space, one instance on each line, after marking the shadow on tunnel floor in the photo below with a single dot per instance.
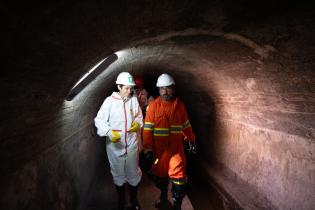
203 197
200 195
102 196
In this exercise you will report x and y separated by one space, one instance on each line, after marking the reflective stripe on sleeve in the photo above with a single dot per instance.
186 124
148 126
161 132
176 128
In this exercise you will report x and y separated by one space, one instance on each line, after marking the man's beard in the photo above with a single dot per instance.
167 97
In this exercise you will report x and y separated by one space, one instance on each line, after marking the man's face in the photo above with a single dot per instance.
138 89
125 91
167 93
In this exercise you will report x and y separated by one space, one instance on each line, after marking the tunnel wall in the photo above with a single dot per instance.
256 114
56 168
263 137
269 149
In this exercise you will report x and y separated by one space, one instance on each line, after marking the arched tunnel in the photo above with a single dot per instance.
244 69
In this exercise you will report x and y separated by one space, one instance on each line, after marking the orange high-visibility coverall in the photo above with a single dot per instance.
166 123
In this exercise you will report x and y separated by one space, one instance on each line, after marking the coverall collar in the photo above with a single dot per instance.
117 96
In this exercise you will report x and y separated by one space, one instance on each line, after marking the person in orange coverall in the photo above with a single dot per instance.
166 126
143 95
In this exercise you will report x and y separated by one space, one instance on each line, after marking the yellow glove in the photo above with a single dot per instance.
134 127
114 136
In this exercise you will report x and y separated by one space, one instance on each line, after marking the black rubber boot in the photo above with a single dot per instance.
134 198
121 197
178 191
162 200
162 184
177 203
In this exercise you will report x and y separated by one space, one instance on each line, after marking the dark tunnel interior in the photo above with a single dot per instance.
244 69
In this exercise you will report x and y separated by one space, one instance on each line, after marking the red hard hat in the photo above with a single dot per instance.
138 81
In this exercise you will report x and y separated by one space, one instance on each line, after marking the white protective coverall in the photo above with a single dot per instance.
117 114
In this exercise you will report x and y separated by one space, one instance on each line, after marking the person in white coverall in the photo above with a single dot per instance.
120 119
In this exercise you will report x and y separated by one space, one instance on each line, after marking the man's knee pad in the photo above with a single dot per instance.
178 190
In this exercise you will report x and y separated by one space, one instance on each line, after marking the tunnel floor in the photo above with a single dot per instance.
200 196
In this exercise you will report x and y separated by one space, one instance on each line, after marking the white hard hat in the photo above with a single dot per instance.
165 80
125 78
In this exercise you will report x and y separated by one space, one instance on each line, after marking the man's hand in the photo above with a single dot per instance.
149 160
134 127
192 149
114 136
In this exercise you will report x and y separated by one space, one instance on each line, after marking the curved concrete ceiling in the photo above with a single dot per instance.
244 71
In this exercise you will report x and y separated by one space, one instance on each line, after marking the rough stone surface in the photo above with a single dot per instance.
245 70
